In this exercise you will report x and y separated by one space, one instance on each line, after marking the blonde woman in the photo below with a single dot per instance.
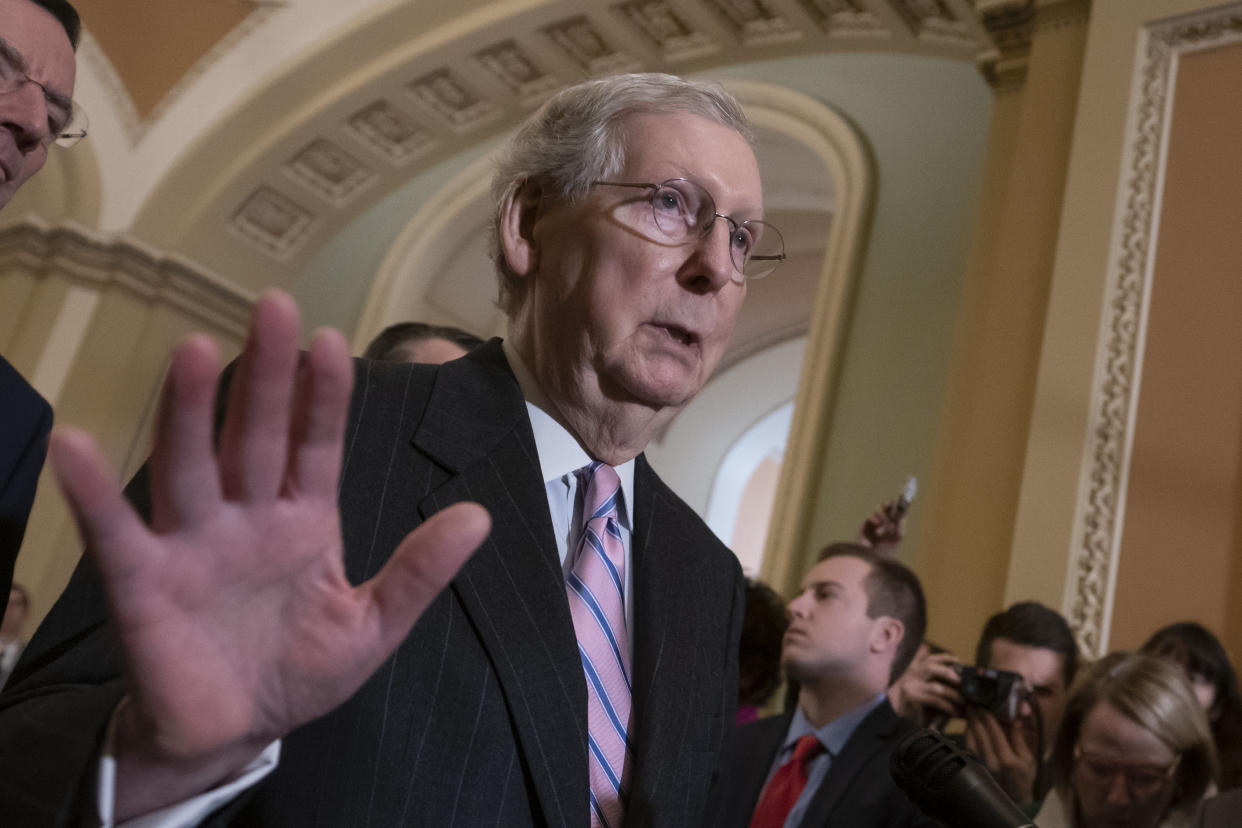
1133 749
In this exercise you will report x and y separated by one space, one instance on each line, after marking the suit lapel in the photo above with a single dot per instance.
866 740
513 588
756 748
666 612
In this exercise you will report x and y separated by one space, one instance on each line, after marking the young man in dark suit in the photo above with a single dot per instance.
37 39
853 629
626 225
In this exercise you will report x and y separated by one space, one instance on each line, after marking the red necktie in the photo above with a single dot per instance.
785 786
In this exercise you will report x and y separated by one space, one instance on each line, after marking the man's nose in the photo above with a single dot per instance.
713 263
25 115
1118 793
796 608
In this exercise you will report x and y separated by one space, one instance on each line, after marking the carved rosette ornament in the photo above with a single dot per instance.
1101 505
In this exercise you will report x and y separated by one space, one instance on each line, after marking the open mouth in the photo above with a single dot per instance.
680 334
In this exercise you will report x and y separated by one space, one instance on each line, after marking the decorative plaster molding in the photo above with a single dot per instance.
1012 25
518 70
323 167
474 83
459 106
273 222
582 40
845 17
100 262
667 29
757 22
934 20
390 132
1099 516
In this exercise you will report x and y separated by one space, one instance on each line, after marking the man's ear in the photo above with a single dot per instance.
517 229
887 635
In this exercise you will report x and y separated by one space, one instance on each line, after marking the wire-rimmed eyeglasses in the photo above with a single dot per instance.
685 213
66 122
1142 782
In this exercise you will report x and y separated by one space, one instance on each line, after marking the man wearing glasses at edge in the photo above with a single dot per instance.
37 40
580 668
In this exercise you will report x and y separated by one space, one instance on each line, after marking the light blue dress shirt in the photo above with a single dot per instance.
833 737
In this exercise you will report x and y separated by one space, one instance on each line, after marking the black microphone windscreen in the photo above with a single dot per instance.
950 785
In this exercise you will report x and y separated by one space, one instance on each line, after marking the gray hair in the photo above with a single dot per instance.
574 139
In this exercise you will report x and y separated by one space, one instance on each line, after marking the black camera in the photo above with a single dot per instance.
999 692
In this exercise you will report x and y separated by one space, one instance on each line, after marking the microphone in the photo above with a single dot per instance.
950 785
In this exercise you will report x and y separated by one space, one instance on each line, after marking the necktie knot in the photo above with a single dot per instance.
807 748
602 490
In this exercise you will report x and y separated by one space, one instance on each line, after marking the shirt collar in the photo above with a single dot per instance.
836 733
559 451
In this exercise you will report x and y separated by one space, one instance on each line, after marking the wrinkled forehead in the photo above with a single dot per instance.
681 144
33 34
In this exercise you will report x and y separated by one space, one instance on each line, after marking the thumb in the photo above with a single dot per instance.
422 566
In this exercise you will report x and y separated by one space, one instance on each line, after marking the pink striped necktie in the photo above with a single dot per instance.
596 601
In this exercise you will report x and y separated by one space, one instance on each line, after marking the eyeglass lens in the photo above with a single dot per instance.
1139 781
684 211
66 121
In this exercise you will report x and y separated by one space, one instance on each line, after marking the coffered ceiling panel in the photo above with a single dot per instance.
297 162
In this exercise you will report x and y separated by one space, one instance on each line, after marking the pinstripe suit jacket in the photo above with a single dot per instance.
25 421
479 717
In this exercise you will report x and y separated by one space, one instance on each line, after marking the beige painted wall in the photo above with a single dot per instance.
90 321
1066 482
1180 545
972 491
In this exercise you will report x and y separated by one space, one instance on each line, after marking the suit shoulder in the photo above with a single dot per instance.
24 410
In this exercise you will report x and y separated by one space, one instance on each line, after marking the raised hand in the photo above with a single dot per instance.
232 608
881 530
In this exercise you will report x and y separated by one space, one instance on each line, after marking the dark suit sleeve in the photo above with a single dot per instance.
25 422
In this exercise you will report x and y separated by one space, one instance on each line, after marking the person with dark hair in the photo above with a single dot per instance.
248 613
67 16
852 630
1132 748
37 72
1036 643
421 342
759 650
1215 683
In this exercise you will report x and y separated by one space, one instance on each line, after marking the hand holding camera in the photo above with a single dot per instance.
1001 726
928 690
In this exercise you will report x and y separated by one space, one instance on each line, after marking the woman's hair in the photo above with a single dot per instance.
1196 650
1154 694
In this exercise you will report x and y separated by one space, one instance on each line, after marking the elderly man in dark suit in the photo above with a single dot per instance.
37 69
853 629
579 669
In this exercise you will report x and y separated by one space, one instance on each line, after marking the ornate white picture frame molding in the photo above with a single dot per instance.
1100 511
